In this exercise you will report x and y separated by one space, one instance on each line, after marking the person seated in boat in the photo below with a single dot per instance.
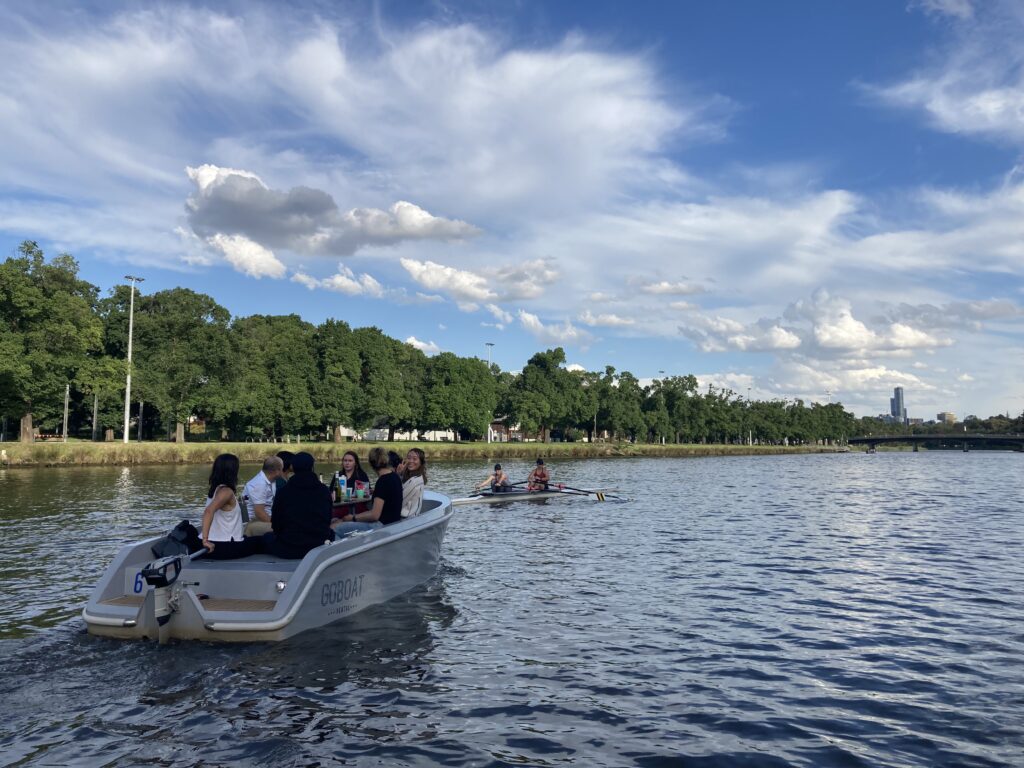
498 481
394 460
539 478
352 470
222 518
353 473
413 472
386 502
302 513
286 471
260 494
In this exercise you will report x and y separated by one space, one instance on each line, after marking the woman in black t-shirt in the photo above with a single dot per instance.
386 503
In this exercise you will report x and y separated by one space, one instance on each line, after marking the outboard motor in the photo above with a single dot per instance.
161 574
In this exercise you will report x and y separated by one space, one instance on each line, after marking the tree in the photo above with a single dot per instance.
339 369
276 363
459 393
546 395
380 398
48 327
184 360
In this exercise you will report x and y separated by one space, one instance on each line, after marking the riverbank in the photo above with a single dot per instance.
83 453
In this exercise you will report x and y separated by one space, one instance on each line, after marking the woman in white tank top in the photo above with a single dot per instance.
222 518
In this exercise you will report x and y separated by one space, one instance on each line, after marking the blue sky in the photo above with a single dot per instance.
789 199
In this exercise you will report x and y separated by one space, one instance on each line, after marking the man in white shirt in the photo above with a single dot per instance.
260 492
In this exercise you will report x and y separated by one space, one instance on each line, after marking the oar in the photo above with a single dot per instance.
600 495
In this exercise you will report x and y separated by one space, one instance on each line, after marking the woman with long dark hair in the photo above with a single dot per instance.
352 470
386 505
222 517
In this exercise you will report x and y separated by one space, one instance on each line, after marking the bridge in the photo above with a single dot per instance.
962 440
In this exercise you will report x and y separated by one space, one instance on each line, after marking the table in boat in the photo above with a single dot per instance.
351 502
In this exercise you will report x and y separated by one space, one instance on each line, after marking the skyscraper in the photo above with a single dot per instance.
897 410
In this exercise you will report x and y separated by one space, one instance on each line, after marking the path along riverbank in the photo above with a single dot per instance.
84 453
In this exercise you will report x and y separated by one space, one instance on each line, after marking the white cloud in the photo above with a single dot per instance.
500 314
303 220
666 288
248 257
462 284
457 94
427 347
554 334
609 320
960 9
682 306
576 367
965 377
343 281
976 83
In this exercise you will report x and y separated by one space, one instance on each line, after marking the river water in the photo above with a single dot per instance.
832 610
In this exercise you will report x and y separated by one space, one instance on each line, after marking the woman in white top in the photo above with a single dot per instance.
413 472
222 517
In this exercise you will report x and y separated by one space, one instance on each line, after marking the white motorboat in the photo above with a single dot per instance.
262 597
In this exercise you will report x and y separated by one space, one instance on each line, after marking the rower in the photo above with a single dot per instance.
498 480
539 478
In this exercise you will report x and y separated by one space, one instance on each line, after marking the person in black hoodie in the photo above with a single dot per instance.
302 513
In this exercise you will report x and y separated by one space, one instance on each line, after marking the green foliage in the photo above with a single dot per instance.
265 376
48 328
182 354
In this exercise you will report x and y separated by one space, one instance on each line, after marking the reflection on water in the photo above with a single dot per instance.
814 611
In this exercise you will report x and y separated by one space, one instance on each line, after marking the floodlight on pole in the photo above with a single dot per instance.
490 346
128 375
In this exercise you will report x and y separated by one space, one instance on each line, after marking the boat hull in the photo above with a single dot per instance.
263 598
489 497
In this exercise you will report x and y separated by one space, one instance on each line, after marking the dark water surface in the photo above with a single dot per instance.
843 610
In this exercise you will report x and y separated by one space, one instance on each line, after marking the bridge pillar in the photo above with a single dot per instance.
967 447
916 446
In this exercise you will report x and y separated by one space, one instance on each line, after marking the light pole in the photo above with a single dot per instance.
128 378
490 346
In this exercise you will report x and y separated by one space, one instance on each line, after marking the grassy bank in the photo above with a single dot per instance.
82 453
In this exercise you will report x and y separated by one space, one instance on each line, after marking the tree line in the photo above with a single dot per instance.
267 376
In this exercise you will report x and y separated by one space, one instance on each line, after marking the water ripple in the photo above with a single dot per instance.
774 611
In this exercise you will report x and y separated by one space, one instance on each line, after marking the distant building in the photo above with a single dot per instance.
946 418
897 410
914 422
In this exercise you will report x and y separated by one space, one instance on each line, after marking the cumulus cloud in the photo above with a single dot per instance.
609 320
460 283
554 334
966 315
343 281
666 288
713 333
834 329
303 220
525 280
427 347
248 257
